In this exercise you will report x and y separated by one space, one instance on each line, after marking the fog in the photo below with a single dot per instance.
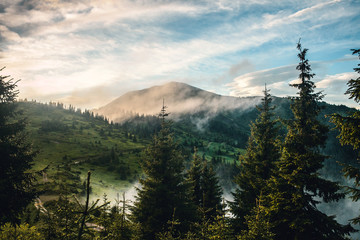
184 99
179 98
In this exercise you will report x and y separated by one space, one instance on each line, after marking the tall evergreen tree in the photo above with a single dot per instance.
258 224
297 188
212 191
349 127
256 166
15 155
206 191
164 194
194 178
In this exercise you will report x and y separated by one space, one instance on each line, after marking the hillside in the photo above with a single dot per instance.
217 125
71 142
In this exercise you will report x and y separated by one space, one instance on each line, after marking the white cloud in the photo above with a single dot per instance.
60 47
323 12
253 83
278 80
335 86
335 81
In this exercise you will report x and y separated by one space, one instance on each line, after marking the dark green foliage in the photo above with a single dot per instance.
195 179
59 219
258 224
22 231
121 228
67 218
143 126
219 228
257 165
206 191
354 84
53 126
349 127
163 189
16 155
211 191
297 188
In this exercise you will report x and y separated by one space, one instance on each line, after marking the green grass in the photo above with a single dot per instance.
71 143
75 140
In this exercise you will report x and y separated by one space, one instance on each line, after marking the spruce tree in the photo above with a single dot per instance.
258 224
297 188
212 191
256 166
194 178
164 194
206 191
16 155
349 127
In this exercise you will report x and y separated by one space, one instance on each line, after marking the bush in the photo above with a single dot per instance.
22 231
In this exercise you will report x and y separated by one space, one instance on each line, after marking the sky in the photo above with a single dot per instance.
89 52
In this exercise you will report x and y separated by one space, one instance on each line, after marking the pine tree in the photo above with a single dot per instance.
119 227
194 178
22 231
206 191
258 224
349 127
257 165
212 191
297 188
16 155
163 191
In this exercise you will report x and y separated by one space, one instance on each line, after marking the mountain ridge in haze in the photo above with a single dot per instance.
180 98
209 117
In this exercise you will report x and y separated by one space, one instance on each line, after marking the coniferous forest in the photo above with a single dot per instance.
54 159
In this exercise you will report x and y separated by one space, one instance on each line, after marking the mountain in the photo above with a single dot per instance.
71 142
180 98
217 125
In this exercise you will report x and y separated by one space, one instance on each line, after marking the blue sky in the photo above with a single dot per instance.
88 52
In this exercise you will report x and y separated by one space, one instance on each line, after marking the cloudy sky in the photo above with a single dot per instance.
88 52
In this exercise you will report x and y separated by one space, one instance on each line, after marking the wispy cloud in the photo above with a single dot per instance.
279 79
60 47
253 83
335 86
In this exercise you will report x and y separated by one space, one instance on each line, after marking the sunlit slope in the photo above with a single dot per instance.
70 143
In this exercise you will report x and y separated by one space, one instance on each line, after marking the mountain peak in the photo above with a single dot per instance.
179 98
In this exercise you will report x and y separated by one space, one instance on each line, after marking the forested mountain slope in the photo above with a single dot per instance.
217 125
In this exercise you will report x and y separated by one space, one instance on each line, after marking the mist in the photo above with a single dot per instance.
114 193
179 98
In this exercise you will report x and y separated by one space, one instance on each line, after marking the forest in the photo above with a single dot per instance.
275 178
